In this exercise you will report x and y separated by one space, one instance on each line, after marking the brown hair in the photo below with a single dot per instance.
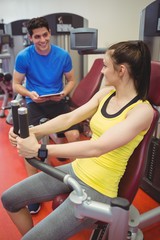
137 56
38 22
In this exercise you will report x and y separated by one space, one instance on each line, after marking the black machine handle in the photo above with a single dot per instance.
23 122
14 107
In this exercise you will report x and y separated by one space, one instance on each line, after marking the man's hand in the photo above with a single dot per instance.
35 97
57 98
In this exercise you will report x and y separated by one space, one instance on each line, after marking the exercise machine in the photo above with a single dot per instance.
120 208
119 220
83 205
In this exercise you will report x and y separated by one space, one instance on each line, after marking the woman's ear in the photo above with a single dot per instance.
122 70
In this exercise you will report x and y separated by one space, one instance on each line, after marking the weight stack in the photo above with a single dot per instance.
151 179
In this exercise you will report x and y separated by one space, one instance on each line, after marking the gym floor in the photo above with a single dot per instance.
12 170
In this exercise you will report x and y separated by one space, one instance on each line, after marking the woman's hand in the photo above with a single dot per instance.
28 147
12 137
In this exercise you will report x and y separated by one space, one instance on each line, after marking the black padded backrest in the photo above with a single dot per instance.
154 90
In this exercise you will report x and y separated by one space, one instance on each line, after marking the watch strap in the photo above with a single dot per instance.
43 152
43 147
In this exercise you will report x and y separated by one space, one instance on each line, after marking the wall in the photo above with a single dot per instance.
115 20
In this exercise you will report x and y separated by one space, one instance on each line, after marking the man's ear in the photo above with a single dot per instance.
29 37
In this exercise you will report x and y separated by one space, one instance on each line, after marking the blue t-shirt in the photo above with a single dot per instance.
44 74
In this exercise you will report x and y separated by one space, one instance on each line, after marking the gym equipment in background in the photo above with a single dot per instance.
5 92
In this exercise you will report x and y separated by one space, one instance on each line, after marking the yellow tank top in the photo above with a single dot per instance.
104 173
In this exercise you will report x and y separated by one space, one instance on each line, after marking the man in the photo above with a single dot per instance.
42 66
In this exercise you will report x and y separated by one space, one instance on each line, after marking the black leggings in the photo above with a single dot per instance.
61 223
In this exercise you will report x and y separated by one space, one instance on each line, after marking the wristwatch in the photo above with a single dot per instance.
43 152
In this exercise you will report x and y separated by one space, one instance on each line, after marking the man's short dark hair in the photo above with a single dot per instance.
38 22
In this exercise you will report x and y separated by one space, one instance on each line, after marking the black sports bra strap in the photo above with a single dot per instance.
105 114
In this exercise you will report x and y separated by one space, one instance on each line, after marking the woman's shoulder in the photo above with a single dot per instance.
105 91
146 105
102 94
141 109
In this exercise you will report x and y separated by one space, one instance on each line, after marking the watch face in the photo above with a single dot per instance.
43 153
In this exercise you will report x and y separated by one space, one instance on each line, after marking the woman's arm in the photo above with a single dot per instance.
115 137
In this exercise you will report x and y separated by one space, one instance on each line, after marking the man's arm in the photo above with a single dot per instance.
18 80
70 82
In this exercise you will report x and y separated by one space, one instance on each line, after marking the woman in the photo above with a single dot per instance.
118 126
